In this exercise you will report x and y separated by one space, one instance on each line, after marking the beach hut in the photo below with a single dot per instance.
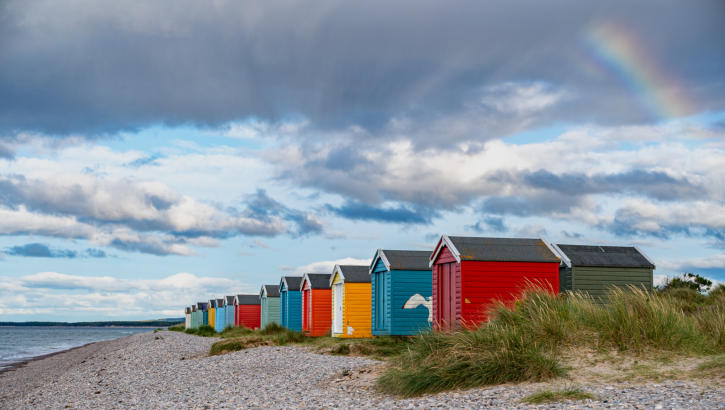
596 269
290 300
350 301
470 273
203 307
269 296
229 312
187 317
219 316
248 310
316 304
402 302
212 312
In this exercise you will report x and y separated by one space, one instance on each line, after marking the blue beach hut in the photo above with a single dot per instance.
204 316
402 290
290 297
229 312
219 312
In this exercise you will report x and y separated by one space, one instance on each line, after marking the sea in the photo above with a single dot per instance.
20 343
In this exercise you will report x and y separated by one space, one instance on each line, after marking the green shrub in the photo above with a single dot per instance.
177 328
204 330
550 396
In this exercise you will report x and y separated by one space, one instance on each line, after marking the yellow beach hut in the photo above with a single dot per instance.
351 301
212 312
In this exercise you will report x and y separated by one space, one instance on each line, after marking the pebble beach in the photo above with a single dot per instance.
172 370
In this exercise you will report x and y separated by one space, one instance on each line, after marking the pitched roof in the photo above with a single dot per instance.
352 273
402 260
292 282
212 302
202 305
247 300
220 303
496 249
187 309
272 291
318 280
605 256
229 300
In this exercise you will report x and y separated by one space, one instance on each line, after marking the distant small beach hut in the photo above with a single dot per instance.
269 295
204 315
187 317
401 291
248 310
212 312
350 301
597 269
219 316
316 304
290 300
229 312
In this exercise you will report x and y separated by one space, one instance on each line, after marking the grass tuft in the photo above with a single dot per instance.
205 331
554 396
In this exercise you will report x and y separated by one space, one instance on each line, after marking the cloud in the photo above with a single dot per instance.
262 207
362 212
39 250
489 224
235 61
107 296
325 266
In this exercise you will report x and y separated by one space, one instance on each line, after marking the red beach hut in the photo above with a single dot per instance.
316 304
248 311
470 273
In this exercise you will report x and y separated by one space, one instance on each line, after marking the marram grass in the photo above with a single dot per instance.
522 342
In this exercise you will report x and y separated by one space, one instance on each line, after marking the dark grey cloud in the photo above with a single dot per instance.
39 250
489 224
653 184
93 68
401 214
262 207
539 204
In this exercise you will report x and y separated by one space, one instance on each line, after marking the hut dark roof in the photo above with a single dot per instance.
212 303
220 303
318 280
292 282
229 300
498 249
248 300
272 291
201 305
402 260
353 273
606 256
188 309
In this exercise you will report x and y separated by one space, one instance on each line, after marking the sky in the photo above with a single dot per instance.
156 154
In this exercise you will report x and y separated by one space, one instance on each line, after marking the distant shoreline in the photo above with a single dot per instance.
119 323
24 362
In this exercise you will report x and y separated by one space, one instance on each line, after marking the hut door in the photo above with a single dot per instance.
380 302
338 307
283 309
307 310
446 295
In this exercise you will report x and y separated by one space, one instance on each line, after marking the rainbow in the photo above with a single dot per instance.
619 53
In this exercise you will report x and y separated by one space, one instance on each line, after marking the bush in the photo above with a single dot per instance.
177 328
204 331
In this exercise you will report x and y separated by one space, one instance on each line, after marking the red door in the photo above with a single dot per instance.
446 295
307 311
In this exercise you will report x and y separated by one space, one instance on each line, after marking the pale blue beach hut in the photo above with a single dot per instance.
229 312
219 313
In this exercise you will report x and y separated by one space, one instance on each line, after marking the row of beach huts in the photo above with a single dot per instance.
404 292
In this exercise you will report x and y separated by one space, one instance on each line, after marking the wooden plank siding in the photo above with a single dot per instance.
403 285
380 319
317 312
270 311
445 256
598 280
291 309
229 316
248 316
219 319
356 310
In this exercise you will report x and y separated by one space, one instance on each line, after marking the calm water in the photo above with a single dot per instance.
22 343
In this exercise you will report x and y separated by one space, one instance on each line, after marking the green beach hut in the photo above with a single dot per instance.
596 269
269 295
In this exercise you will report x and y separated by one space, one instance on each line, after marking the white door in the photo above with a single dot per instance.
337 320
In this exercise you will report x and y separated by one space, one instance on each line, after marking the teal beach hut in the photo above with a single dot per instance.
270 313
290 298
402 286
229 312
204 316
219 312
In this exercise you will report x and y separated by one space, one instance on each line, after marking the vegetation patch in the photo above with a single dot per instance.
205 331
554 396
525 341
714 367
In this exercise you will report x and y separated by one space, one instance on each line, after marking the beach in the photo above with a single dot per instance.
173 370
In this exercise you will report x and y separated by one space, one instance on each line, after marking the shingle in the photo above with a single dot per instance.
293 282
605 256
355 273
503 249
318 280
407 260
272 291
248 300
